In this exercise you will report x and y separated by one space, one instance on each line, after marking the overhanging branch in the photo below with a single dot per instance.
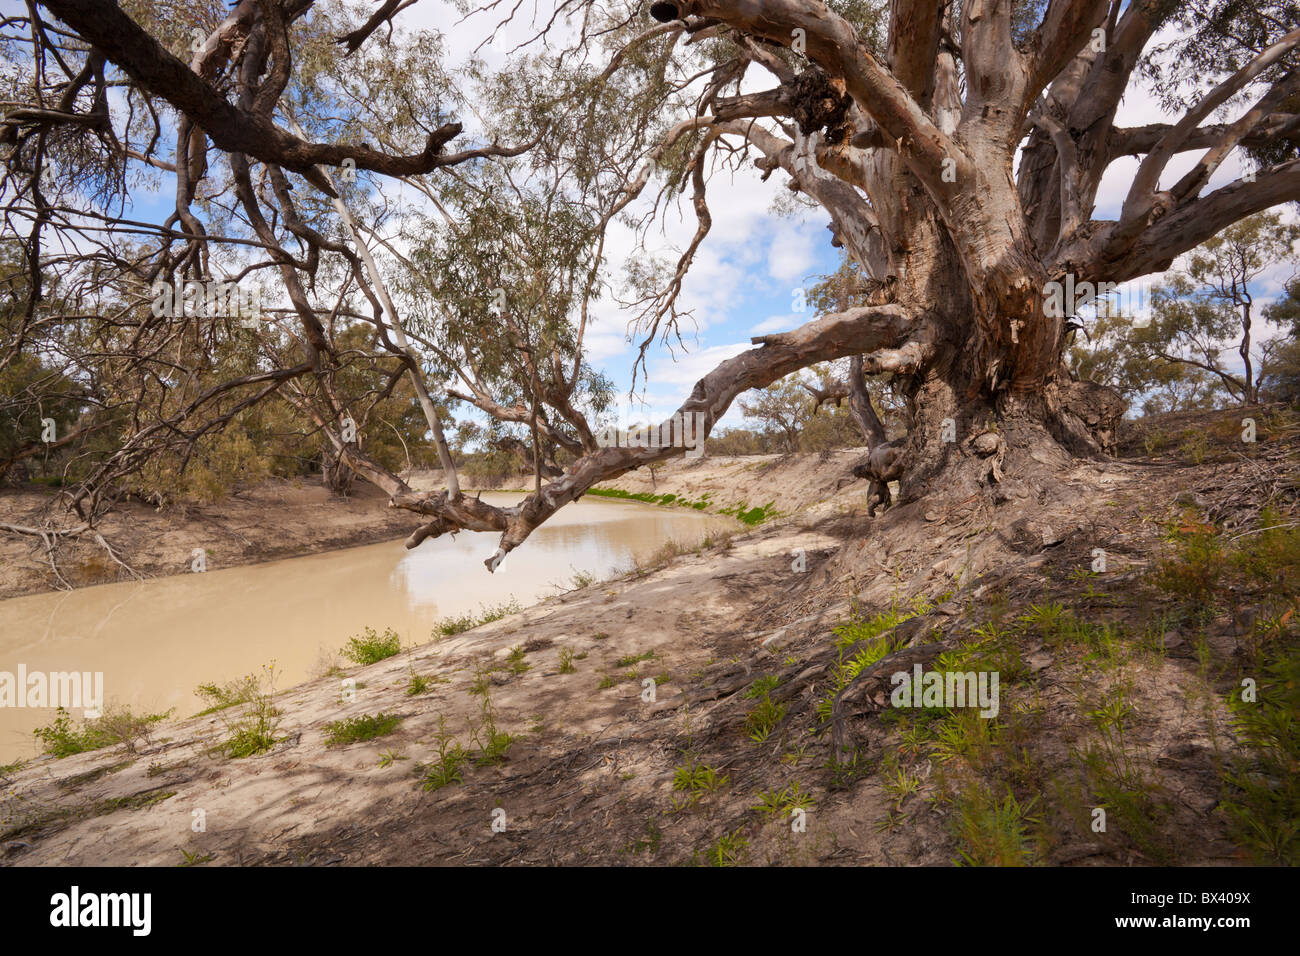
854 331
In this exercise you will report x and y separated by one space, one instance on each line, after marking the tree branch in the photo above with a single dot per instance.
1066 28
863 329
1188 226
145 60
1143 202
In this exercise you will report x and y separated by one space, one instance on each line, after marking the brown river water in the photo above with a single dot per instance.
155 641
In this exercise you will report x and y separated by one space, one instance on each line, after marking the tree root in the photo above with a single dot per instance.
899 660
51 539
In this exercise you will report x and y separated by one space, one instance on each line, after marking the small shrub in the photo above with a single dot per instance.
665 553
1193 572
372 647
516 661
762 686
1048 620
631 660
493 743
482 683
762 720
992 832
718 539
118 725
1269 556
729 850
1263 804
697 779
221 696
1195 446
780 803
418 684
449 767
253 731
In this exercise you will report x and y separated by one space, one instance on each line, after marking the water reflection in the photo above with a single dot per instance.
155 641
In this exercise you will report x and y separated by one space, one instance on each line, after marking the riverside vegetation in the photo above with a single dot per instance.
1160 691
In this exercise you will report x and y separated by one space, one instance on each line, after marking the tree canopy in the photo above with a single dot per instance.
356 218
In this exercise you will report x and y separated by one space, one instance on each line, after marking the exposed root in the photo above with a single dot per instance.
883 465
870 676
52 539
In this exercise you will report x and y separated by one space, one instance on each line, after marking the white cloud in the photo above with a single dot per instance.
687 368
775 323
791 254
603 344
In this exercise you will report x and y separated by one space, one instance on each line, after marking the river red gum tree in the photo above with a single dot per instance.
957 151
913 156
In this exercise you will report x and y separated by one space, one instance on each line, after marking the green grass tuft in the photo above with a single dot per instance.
352 730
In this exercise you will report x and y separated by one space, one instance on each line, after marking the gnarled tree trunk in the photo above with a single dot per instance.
335 472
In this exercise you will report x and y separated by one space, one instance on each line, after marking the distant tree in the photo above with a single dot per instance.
812 410
782 407
1285 311
467 434
1204 309
731 442
832 427
1279 375
1111 351
35 402
41 408
1279 371
1224 268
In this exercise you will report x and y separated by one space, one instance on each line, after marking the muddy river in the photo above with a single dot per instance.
155 641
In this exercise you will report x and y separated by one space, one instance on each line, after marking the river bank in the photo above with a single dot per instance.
730 704
566 672
273 520
283 519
